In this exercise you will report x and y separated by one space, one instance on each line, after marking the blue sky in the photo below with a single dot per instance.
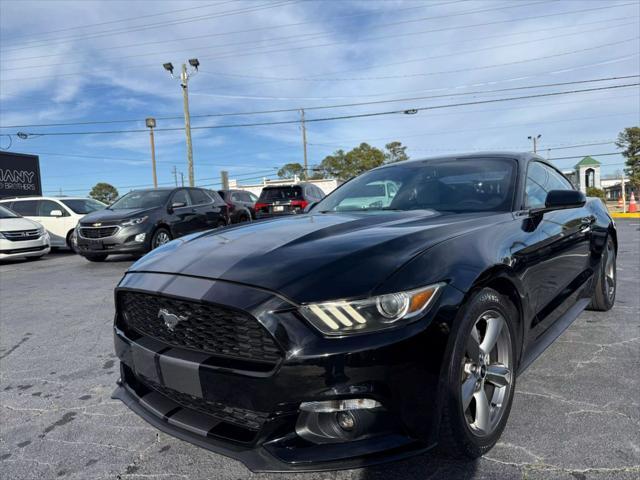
85 61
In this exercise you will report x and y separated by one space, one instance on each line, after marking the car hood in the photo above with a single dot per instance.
107 215
16 224
312 257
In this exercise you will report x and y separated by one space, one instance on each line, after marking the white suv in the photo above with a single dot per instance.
59 215
20 237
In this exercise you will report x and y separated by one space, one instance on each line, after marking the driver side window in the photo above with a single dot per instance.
535 187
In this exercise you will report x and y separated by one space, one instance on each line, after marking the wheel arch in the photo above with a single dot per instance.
501 279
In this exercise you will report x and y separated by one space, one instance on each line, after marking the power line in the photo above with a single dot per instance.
323 107
262 52
582 156
257 29
120 20
341 117
106 33
325 34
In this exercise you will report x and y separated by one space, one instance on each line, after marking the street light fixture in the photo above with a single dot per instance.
168 67
194 62
535 139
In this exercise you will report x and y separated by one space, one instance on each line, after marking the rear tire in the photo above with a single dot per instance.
96 257
481 376
604 292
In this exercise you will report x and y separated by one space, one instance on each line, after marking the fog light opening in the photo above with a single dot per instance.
346 421
140 237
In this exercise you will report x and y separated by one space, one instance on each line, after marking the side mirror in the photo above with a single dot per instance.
55 213
309 206
561 200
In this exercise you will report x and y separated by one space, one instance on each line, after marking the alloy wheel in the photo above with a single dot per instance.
486 373
610 271
161 238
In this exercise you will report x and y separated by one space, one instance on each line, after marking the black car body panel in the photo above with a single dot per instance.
266 270
103 232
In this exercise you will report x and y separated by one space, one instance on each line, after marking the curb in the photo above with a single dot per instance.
625 215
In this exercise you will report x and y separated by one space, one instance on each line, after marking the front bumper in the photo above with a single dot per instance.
122 242
400 369
25 248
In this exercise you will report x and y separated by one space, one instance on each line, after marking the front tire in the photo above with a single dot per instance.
604 293
481 376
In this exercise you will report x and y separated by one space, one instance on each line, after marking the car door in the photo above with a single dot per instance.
183 216
561 240
208 211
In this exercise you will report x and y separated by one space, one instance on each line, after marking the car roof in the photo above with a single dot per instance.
35 197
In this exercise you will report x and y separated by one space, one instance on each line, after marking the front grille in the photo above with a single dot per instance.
22 235
237 416
196 326
98 232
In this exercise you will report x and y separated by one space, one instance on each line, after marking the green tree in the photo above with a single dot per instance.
629 140
595 192
343 165
104 192
395 152
291 169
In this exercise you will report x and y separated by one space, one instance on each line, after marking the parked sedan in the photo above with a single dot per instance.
21 237
361 333
242 205
142 220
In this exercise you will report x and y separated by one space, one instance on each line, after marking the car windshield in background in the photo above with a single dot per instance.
467 185
141 199
83 206
281 193
6 213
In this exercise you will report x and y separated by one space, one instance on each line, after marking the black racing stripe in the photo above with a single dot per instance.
166 416
156 361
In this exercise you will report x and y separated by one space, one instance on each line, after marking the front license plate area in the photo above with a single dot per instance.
96 245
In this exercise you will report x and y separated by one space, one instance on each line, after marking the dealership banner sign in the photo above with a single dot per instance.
19 175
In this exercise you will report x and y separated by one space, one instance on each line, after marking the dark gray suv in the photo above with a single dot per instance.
142 220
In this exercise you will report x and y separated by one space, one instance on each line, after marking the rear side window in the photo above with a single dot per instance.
281 193
199 197
216 197
26 208
181 196
45 207
222 193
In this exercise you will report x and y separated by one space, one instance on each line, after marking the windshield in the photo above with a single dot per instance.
141 199
83 205
281 193
6 213
467 185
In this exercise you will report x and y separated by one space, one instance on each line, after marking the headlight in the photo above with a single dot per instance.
133 221
2 237
41 231
370 314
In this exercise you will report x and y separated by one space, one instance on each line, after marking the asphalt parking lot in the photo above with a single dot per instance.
576 413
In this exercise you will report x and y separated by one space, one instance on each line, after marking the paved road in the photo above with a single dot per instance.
576 413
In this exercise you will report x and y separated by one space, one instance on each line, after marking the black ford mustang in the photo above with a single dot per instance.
394 317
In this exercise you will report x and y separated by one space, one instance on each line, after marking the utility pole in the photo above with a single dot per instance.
151 123
304 144
224 178
182 178
184 78
624 194
535 139
184 83
175 175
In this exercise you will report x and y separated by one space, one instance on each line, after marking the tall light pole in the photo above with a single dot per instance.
151 124
535 139
184 83
304 144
